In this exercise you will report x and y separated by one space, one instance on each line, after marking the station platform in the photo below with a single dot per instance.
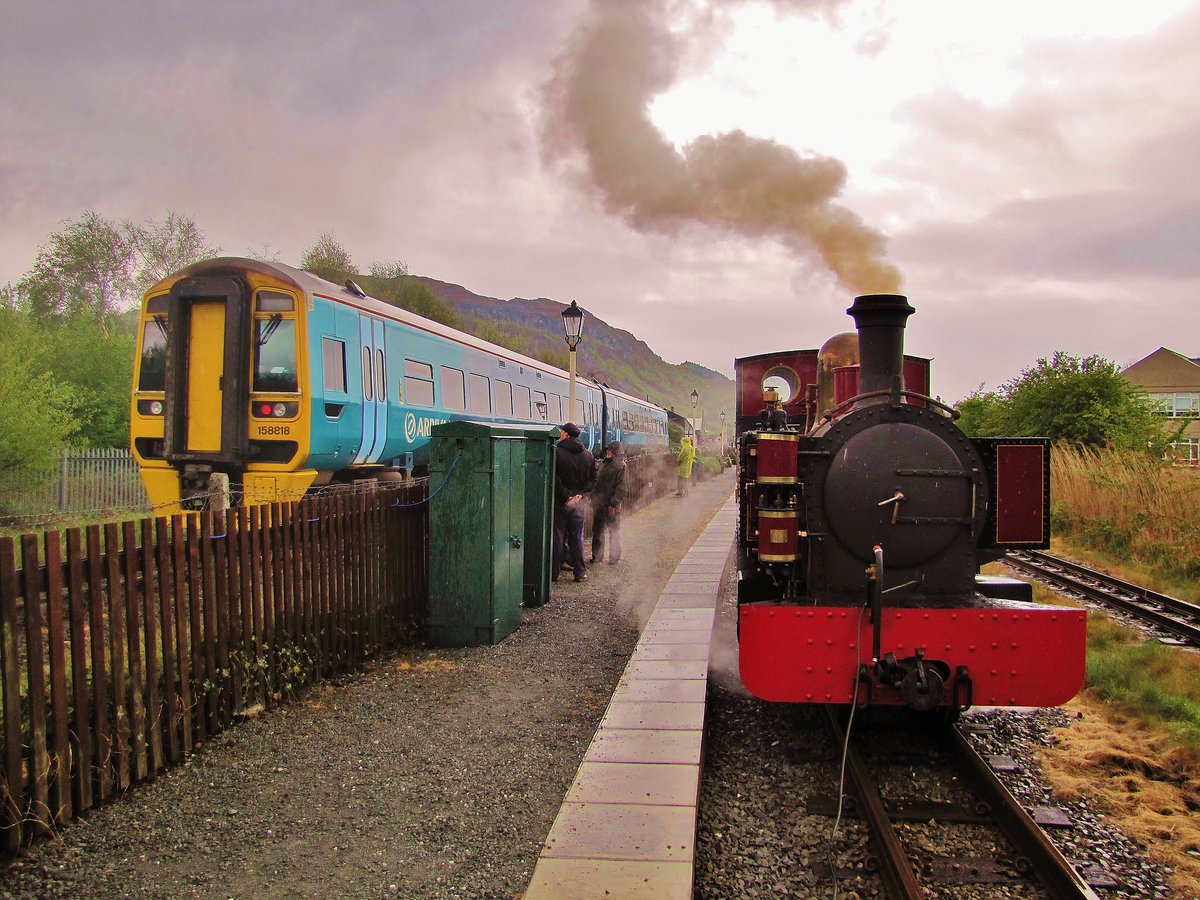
627 825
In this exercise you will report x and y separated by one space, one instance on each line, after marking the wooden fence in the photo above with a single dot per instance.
129 647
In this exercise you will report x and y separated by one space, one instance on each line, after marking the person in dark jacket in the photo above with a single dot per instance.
574 478
607 498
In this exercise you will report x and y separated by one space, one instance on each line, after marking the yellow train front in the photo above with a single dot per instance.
865 515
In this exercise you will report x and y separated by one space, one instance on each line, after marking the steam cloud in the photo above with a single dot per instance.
596 125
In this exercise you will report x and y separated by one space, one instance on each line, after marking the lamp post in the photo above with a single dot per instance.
572 318
722 432
695 433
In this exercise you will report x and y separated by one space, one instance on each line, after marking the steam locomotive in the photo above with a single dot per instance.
865 515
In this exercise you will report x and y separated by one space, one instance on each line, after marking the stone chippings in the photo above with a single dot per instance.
1091 842
434 774
754 838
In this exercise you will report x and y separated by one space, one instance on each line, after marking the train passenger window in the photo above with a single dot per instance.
454 392
481 394
334 356
153 375
503 398
381 373
522 407
275 354
540 407
418 383
555 408
273 301
580 415
367 373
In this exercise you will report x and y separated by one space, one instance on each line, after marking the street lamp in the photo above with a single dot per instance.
572 318
722 432
695 433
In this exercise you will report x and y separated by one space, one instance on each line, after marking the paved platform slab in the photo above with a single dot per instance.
627 825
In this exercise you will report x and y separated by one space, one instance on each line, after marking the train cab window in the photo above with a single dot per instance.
333 354
522 405
503 398
153 374
275 354
453 389
481 394
418 383
555 408
541 408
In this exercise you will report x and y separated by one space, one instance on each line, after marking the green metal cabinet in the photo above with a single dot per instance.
476 533
540 442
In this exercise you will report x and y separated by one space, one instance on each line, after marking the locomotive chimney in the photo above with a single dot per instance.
880 321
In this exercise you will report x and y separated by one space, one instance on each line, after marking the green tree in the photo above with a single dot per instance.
98 370
35 407
84 270
1079 400
165 247
328 259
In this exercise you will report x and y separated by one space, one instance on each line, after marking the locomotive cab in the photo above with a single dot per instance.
861 539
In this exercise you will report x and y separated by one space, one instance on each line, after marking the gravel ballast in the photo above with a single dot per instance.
434 773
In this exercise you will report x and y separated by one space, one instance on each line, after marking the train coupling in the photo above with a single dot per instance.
920 682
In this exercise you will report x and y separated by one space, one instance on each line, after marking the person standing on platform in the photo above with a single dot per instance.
687 456
574 479
607 499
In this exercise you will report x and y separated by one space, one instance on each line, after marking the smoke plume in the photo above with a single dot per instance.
597 127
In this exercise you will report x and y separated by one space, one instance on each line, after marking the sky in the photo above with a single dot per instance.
720 178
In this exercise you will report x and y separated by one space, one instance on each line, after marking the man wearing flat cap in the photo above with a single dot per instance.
574 478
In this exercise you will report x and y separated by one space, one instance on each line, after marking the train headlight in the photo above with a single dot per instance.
156 407
279 409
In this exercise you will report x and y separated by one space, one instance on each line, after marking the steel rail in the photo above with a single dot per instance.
897 871
1056 571
1027 838
1166 601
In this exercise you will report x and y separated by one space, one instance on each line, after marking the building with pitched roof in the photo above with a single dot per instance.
1172 381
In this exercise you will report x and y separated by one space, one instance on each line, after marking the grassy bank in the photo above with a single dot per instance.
1133 509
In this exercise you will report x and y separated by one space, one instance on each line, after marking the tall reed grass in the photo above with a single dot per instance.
1129 505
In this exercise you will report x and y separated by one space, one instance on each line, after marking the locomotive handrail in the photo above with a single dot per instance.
949 410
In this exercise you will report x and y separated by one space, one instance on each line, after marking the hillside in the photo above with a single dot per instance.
609 355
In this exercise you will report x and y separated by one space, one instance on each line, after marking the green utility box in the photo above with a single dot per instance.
540 442
476 533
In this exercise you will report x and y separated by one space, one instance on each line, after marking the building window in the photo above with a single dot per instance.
418 383
454 391
1177 405
1186 452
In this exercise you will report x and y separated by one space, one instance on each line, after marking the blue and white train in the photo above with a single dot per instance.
285 381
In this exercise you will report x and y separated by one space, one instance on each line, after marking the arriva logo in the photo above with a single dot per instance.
415 428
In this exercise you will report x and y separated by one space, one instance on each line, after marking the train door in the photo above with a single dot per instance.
374 390
206 406
205 394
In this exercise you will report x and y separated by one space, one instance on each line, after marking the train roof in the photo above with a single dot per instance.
313 284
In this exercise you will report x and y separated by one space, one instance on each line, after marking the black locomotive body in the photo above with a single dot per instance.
865 516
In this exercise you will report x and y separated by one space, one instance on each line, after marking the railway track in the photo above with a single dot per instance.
1029 856
1178 618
